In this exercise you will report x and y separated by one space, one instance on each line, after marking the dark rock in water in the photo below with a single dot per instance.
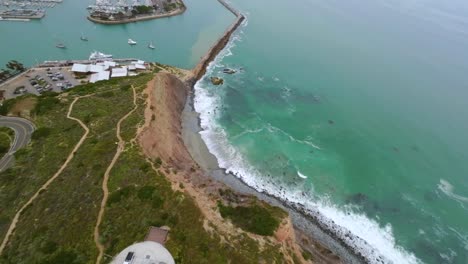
396 149
229 71
331 122
216 80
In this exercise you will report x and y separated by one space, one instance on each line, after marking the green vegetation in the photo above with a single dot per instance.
13 67
58 226
256 218
170 7
142 9
6 138
41 132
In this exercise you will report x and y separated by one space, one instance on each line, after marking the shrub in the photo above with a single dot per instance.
45 103
41 132
146 192
255 218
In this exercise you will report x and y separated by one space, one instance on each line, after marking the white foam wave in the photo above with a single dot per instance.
374 242
448 188
301 175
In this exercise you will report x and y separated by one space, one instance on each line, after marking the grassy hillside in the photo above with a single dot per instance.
58 226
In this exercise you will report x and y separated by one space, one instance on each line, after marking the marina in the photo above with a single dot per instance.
22 14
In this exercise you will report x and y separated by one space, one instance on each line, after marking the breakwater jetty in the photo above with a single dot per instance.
200 68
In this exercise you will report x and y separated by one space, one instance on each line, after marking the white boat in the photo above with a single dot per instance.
132 42
61 46
96 55
151 46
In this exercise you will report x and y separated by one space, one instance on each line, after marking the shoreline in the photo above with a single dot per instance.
141 18
308 224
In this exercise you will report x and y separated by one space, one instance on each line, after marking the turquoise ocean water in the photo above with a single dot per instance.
357 109
354 108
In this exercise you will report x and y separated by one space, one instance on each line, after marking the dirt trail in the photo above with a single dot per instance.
120 148
44 187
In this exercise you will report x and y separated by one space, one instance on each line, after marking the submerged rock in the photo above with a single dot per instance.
216 80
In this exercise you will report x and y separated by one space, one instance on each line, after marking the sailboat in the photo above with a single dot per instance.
132 42
151 46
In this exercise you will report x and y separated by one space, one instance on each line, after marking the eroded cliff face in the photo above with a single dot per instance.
161 135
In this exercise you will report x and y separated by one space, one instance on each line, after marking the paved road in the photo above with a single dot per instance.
23 130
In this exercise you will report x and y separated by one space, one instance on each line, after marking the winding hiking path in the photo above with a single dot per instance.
105 189
44 187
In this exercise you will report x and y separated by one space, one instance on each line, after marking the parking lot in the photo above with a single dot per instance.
39 80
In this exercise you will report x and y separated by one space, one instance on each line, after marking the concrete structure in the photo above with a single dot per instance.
147 252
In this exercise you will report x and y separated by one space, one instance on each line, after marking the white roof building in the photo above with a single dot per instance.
140 67
81 68
119 72
99 76
95 68
107 64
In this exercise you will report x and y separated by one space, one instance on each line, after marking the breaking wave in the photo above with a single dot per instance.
363 235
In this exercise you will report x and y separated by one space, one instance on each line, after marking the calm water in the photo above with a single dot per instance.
358 108
179 40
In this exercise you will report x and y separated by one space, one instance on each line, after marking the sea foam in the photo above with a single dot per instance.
365 236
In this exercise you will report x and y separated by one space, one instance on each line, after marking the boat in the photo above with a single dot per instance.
151 46
132 42
61 46
83 38
96 55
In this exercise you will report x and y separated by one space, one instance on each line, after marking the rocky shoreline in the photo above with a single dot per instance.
320 236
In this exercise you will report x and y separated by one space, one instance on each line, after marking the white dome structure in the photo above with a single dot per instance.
147 252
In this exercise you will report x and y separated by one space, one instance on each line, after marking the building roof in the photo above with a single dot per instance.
119 72
145 252
131 67
157 235
140 67
78 67
99 76
107 64
95 68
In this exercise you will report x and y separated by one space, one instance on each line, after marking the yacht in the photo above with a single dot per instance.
151 46
61 46
132 42
96 55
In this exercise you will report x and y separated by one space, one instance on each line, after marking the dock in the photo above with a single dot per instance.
22 14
